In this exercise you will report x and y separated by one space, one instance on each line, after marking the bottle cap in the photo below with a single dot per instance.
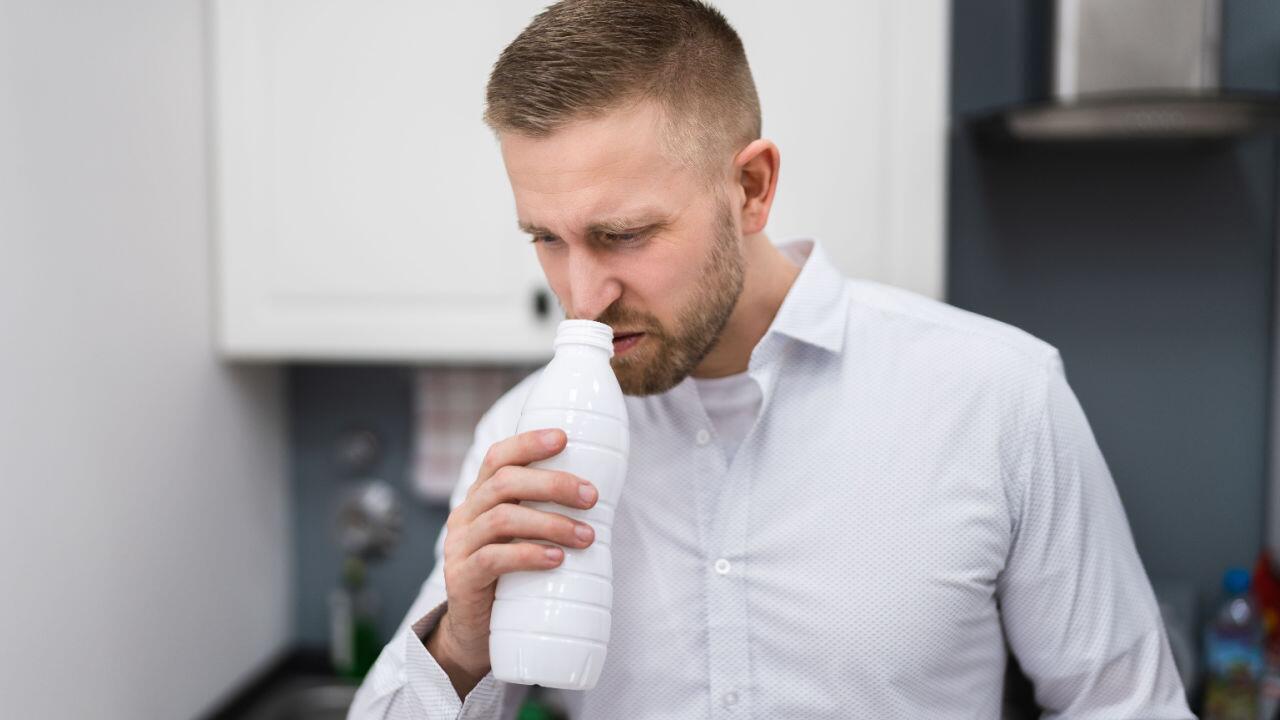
585 332
1236 581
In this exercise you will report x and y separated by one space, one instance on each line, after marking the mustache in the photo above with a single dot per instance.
619 317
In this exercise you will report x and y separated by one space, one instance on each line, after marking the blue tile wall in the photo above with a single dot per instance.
1150 268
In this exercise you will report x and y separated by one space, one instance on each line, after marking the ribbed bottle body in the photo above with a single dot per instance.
551 627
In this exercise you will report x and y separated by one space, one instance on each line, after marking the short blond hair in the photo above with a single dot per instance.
579 59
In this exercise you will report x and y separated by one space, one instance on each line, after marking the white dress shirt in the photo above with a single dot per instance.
732 404
920 485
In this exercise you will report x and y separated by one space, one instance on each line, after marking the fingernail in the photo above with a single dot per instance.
553 553
551 438
583 532
587 493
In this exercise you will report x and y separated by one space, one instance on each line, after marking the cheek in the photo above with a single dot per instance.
662 286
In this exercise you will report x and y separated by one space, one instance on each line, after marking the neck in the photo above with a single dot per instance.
767 277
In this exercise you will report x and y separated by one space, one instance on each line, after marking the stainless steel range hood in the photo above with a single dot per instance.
1137 70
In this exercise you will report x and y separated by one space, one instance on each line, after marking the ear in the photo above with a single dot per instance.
755 170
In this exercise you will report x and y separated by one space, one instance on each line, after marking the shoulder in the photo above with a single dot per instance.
946 352
501 419
989 379
935 325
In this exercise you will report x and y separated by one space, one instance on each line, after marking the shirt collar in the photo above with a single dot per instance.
815 309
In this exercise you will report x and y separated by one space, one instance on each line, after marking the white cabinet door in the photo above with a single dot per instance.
855 95
362 210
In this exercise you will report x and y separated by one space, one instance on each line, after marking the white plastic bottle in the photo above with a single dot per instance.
551 627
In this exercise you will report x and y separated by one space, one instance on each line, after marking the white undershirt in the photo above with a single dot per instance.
732 403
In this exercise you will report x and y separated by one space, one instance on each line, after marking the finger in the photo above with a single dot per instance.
507 521
484 566
513 483
520 449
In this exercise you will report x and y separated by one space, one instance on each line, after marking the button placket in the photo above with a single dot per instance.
728 630
723 508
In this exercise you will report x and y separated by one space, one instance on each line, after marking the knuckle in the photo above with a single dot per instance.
450 578
500 517
571 531
568 484
530 440
454 524
452 556
533 553
503 479
490 458
466 508
560 526
487 559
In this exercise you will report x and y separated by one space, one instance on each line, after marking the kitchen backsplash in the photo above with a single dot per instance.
352 423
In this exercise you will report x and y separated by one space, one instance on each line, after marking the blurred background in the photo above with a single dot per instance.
261 276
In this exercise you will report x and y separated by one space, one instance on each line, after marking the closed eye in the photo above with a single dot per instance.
544 239
625 237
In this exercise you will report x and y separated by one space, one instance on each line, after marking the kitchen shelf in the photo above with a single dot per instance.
1162 117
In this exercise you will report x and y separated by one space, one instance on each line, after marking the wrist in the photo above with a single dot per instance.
439 642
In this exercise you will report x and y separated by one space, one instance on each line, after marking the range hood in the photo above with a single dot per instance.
1137 70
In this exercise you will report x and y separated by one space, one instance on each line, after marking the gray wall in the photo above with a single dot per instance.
144 543
1150 268
324 403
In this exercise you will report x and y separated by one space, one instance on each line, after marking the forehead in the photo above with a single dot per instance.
596 169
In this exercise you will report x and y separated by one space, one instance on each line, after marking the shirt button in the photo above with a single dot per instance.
723 566
703 437
729 699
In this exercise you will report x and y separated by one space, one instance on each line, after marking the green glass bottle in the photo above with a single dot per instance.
353 630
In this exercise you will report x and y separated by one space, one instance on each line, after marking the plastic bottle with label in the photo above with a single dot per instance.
551 627
1233 653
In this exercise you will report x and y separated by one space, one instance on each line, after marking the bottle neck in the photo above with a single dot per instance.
583 350
585 332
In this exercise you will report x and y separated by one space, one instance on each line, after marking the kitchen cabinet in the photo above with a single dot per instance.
361 210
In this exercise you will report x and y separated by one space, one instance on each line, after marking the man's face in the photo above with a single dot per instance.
629 237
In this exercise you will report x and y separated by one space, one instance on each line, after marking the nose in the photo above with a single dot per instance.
592 284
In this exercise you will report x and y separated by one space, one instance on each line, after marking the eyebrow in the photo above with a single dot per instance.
534 229
615 226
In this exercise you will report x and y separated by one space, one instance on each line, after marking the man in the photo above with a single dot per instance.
843 499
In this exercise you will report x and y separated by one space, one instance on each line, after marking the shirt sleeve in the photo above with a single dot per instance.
1076 604
406 682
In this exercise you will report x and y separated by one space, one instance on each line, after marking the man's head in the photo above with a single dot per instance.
630 131
581 59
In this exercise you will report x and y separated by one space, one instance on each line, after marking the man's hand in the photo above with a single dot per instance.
478 547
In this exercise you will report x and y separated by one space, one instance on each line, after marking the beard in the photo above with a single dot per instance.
665 357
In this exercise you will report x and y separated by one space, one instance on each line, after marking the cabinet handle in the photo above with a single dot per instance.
541 304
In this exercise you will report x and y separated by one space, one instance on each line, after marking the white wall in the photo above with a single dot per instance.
144 540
